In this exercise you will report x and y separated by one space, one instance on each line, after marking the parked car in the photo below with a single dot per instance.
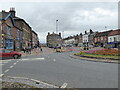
4 53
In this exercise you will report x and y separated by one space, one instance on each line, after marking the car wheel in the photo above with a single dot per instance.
15 56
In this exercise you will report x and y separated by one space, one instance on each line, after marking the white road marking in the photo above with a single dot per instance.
1 64
5 60
1 75
64 85
33 80
54 60
15 63
7 70
25 59
32 59
40 58
11 66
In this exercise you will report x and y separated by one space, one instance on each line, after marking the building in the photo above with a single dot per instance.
91 38
35 40
54 40
88 38
70 41
26 32
80 41
101 39
114 39
9 31
16 32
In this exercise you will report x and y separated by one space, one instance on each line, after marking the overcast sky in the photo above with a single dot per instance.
73 17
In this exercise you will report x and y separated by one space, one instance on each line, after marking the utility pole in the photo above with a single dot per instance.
56 26
62 34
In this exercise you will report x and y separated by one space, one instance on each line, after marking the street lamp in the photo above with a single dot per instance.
56 26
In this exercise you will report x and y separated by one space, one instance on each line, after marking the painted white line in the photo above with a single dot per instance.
7 70
44 83
11 66
25 59
1 75
64 85
33 80
1 64
54 60
40 58
15 63
5 60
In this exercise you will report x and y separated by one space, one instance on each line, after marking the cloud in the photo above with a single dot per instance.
74 17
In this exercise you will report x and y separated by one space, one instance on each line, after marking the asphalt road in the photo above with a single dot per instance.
60 69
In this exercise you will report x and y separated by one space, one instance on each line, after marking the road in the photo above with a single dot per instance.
60 69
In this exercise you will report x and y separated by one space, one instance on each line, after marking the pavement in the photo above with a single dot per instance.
37 51
59 69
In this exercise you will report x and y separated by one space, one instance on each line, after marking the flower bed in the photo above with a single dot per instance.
111 52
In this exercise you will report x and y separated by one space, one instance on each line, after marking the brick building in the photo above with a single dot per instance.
114 39
35 40
16 32
9 32
101 38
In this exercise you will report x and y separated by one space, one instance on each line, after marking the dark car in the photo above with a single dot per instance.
5 54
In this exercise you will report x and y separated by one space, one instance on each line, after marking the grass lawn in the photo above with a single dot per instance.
99 56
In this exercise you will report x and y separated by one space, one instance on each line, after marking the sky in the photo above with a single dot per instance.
73 17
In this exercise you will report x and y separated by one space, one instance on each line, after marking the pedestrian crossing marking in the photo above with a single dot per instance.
32 59
1 64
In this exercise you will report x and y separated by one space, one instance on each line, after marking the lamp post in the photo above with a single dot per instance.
106 27
56 26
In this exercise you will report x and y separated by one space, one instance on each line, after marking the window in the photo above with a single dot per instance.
110 39
9 44
101 38
115 39
7 51
1 51
8 32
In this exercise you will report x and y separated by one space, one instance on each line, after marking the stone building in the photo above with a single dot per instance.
80 41
70 41
54 40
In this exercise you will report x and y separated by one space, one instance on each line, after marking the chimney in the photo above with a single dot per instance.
91 31
12 11
85 32
3 10
81 34
59 34
48 33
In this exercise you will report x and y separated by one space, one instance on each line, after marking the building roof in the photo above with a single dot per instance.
115 32
20 19
3 14
34 32
105 33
